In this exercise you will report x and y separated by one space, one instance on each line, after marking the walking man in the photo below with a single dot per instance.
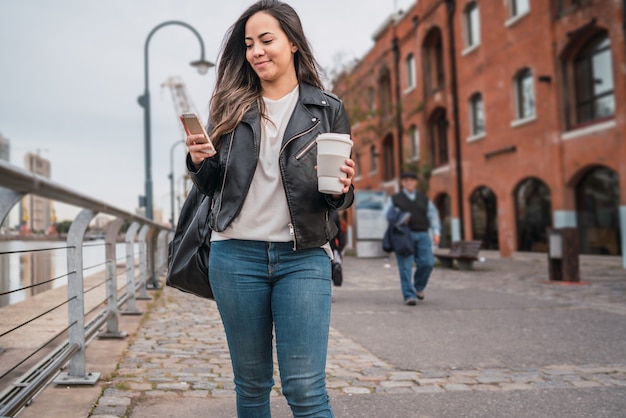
422 215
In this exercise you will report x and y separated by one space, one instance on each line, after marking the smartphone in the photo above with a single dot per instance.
193 126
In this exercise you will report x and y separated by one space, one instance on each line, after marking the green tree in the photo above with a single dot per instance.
63 227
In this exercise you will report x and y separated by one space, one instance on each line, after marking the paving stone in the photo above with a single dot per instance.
116 411
356 390
113 401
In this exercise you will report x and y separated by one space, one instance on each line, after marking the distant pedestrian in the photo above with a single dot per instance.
421 215
269 261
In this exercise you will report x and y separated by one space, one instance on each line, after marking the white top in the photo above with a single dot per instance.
265 214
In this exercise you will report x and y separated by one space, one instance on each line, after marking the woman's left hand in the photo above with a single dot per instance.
350 171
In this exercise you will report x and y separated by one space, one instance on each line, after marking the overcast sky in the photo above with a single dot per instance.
71 72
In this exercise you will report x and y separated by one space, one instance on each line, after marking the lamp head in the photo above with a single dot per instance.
202 65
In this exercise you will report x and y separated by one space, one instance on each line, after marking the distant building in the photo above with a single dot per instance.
36 211
514 111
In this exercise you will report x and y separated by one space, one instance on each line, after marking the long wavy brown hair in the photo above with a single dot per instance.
238 88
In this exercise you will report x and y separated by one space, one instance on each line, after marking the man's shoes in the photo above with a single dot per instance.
411 302
420 295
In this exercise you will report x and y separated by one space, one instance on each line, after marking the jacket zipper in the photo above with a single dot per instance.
293 234
308 147
292 230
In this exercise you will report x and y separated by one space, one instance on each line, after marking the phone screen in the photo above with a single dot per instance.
193 126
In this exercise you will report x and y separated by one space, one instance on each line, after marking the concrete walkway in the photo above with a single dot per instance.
499 341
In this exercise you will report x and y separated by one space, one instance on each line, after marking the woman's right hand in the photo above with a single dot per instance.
198 148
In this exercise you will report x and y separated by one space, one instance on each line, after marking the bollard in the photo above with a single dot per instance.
563 255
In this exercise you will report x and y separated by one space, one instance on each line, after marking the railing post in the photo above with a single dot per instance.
8 199
110 240
143 262
131 306
162 250
77 374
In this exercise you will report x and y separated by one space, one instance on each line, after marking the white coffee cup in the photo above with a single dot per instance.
332 151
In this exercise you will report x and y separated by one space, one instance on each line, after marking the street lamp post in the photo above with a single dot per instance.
171 176
144 101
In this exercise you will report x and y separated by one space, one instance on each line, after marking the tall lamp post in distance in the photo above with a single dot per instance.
171 176
144 101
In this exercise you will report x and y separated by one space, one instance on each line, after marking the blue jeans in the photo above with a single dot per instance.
260 287
423 259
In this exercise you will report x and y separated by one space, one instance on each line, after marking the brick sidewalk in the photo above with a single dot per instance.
180 351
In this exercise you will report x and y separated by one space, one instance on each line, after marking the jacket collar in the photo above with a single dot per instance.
311 95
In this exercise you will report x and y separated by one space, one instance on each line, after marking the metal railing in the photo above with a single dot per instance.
151 240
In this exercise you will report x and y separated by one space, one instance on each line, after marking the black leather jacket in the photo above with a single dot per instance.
228 175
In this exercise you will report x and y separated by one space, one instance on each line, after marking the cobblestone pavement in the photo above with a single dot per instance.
180 350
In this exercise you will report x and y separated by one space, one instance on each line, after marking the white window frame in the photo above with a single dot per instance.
470 30
518 89
411 73
474 132
516 15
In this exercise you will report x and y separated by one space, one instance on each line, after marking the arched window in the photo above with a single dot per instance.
477 115
534 215
384 91
593 80
438 128
414 137
524 94
433 60
484 209
597 206
389 166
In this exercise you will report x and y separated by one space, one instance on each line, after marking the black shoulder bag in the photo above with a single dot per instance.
188 252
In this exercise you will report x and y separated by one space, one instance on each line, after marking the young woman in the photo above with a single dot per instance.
271 227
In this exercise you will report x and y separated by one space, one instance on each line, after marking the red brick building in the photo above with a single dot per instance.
514 111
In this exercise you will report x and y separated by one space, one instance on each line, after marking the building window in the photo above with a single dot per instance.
357 164
411 77
384 91
472 25
389 166
519 7
477 115
433 60
373 159
439 138
414 136
597 209
524 94
484 212
593 80
533 205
